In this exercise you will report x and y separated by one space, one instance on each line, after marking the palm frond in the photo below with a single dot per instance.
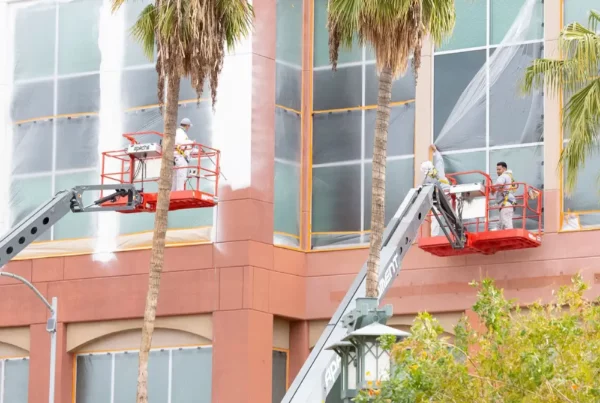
593 20
582 118
237 18
554 75
116 5
144 30
394 28
342 24
441 19
582 46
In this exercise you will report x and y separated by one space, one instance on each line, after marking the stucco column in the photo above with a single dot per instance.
552 122
242 356
39 365
243 244
299 346
424 115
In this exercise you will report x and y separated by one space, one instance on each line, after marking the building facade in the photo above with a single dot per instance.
248 286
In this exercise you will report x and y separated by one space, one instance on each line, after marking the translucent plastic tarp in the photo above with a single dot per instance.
76 88
15 380
582 206
184 373
341 179
288 122
279 376
480 116
465 80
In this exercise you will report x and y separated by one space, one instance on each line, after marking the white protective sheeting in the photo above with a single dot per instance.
75 81
495 74
480 117
142 240
288 123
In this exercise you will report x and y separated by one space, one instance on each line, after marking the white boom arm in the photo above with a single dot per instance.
322 368
49 213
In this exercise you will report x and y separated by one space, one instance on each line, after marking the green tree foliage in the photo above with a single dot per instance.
578 75
544 354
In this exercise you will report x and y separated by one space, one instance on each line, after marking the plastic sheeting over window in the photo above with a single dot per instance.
71 76
14 380
581 208
344 105
175 375
481 116
279 378
288 122
342 173
578 11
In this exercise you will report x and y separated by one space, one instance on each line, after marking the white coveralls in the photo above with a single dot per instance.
506 200
439 176
181 159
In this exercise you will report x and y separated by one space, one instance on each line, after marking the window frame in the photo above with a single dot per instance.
347 239
55 119
3 361
488 47
563 141
114 353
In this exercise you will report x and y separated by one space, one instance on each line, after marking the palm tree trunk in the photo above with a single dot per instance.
378 188
160 232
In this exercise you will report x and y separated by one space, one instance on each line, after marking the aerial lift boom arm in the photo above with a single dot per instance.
49 213
320 371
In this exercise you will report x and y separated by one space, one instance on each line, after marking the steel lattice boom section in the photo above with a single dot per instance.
321 369
49 213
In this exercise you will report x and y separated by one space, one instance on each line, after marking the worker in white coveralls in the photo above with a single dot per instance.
434 173
504 190
181 154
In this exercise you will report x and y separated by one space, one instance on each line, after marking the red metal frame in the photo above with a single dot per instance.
488 241
199 196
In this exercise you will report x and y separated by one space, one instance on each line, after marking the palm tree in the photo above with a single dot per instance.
578 74
191 37
395 29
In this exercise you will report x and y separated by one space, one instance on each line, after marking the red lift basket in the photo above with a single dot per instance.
202 181
481 233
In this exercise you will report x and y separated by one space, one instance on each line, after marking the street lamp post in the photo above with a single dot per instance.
364 362
50 327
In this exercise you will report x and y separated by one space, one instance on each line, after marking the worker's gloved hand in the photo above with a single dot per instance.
426 167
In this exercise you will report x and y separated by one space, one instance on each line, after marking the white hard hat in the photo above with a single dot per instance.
186 122
426 167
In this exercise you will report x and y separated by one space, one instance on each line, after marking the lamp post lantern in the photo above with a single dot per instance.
374 362
349 367
364 363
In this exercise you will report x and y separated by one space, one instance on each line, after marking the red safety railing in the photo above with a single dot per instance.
125 168
528 207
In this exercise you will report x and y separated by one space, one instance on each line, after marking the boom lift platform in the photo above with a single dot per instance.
457 219
139 165
473 203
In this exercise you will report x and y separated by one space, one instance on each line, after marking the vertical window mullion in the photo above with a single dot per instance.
363 145
170 380
2 369
112 379
55 105
487 84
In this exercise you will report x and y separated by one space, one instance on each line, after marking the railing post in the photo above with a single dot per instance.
525 204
